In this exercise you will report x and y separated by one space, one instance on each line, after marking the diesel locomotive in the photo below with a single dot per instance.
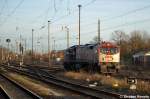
100 57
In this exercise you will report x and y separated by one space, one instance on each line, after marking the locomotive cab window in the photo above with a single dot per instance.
108 50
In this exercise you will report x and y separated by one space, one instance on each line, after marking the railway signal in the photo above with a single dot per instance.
98 31
32 44
67 31
8 41
132 81
49 52
79 22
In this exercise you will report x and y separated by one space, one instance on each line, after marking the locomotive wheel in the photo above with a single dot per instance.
67 66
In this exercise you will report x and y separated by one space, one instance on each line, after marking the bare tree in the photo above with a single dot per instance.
95 40
137 41
119 36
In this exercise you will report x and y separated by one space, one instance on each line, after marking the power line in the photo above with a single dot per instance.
127 13
46 13
121 15
55 9
126 24
12 12
105 29
75 10
64 16
2 8
121 25
111 18
4 5
89 3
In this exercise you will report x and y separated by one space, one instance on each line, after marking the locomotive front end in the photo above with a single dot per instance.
109 57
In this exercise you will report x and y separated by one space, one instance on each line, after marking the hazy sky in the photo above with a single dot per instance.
19 17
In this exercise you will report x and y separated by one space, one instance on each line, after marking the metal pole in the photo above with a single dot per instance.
54 44
98 31
2 54
79 22
8 54
48 44
32 44
25 40
67 36
1 51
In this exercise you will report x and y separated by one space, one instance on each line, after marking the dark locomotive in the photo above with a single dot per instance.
101 57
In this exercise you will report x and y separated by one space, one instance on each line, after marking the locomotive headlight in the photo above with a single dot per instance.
103 58
95 51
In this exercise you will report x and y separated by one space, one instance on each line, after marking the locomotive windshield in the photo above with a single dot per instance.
109 50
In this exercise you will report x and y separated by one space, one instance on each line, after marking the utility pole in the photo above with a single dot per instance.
20 42
98 31
67 36
1 51
25 40
8 57
32 44
48 43
79 22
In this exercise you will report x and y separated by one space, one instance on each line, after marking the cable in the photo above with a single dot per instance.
55 9
127 13
121 15
89 3
121 25
124 14
64 16
126 24
13 11
46 14
3 7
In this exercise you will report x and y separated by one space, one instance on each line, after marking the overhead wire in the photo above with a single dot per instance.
117 26
121 15
54 15
64 16
46 14
2 8
127 13
111 18
12 12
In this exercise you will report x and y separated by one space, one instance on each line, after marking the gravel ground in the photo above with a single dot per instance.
123 91
41 88
12 90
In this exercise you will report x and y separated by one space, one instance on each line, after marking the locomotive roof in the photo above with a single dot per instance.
108 44
102 44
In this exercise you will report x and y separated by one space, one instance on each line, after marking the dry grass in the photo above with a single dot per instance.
36 86
141 86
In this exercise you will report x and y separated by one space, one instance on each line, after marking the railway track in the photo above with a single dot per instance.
3 94
60 69
57 69
139 78
44 76
13 90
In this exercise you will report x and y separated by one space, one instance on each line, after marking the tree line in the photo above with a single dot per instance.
130 43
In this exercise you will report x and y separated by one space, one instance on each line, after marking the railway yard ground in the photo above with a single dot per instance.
42 89
114 84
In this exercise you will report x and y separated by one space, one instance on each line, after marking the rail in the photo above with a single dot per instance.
91 92
29 92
